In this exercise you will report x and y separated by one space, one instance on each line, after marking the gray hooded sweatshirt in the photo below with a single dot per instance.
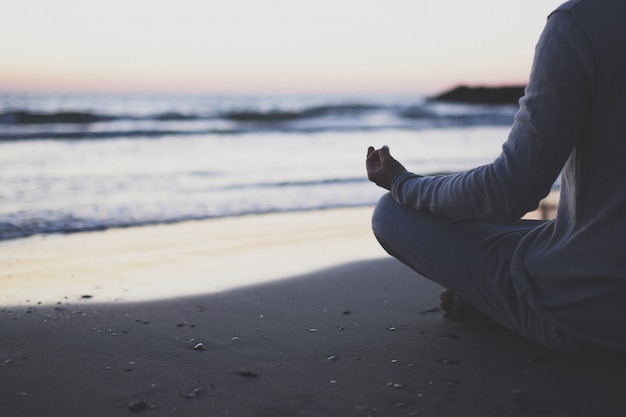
572 121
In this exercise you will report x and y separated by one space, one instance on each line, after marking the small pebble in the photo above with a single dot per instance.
137 406
391 329
247 374
452 382
332 358
194 394
447 361
199 346
313 330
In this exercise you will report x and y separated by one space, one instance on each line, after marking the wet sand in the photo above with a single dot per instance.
189 258
358 334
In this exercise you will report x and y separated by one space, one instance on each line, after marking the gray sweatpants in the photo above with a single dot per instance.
471 258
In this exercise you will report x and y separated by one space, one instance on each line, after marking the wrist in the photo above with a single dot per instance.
399 179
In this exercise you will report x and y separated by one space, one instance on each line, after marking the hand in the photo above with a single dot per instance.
382 167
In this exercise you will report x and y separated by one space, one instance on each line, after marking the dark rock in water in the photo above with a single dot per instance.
482 95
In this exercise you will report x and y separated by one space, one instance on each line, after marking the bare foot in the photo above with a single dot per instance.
457 309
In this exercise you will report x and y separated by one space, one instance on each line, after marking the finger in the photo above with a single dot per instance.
384 152
370 150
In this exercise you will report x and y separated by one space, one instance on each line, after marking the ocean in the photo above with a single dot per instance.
86 162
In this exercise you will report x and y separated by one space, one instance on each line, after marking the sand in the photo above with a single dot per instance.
189 258
313 320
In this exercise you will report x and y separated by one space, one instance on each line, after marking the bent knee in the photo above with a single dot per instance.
383 212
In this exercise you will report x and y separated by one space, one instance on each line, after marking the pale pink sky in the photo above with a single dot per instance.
267 46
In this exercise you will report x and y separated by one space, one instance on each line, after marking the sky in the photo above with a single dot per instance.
267 46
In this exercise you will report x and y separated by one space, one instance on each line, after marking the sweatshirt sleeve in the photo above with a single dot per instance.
549 123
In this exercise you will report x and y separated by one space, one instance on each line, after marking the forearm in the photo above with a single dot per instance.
477 194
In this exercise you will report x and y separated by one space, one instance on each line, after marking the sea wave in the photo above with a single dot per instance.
425 111
68 125
26 117
78 162
301 183
69 224
80 135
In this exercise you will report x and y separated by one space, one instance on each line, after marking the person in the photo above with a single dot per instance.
560 283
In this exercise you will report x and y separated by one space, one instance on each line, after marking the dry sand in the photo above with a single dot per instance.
163 333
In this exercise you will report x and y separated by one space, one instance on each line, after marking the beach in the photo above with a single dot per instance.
293 314
189 258
199 256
